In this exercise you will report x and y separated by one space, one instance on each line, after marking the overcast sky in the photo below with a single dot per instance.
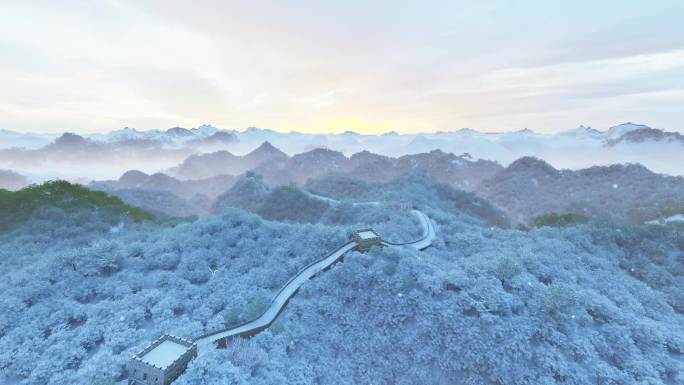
323 66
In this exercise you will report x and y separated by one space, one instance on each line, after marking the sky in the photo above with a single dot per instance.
323 66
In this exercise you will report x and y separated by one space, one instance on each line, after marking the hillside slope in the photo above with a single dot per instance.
578 305
630 193
487 307
17 207
415 188
164 195
10 180
293 205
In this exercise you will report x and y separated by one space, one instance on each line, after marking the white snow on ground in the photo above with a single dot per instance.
163 355
673 218
367 235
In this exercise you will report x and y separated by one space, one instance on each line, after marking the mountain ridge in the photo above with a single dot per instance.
624 193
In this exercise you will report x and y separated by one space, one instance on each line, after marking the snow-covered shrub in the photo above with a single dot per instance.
245 354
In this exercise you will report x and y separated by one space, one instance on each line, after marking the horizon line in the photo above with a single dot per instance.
293 131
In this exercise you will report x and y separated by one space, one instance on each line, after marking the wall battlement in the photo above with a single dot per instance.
162 361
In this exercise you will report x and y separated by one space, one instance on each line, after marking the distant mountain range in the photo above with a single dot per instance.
179 174
294 142
576 148
191 187
277 168
529 187
646 135
202 136
77 158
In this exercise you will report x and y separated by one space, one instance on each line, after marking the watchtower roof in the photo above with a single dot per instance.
164 354
367 234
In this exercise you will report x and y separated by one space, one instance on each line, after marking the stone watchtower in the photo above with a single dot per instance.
161 362
366 238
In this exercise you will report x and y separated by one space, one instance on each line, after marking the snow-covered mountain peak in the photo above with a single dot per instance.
621 129
530 164
524 131
256 130
126 133
582 131
266 146
204 130
179 132
267 151
469 132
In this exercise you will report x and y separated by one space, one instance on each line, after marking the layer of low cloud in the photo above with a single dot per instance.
316 66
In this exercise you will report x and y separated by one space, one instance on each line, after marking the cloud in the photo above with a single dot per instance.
313 66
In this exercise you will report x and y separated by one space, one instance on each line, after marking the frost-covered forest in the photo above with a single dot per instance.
85 288
579 305
341 192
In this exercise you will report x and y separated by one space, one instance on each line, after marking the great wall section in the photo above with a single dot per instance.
165 360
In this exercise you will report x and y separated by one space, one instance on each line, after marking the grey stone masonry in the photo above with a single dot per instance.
366 238
161 362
